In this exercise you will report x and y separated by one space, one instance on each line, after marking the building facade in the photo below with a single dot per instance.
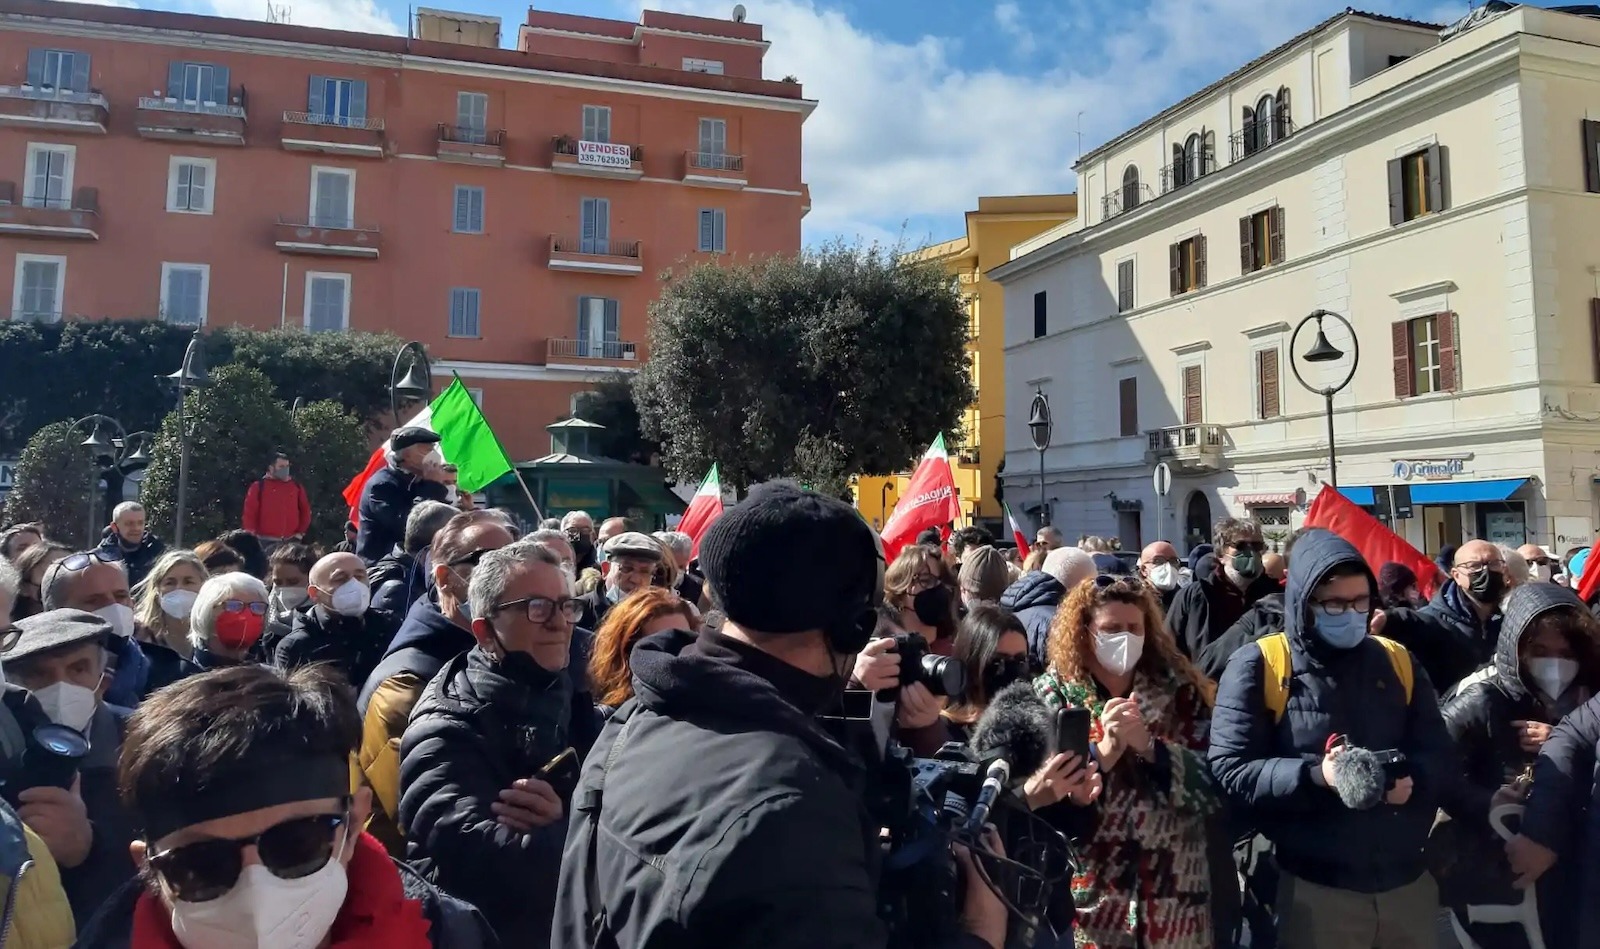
1431 187
510 208
992 230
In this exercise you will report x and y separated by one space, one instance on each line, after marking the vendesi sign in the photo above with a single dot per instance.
605 154
1441 470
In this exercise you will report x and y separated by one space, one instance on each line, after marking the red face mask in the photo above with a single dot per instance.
239 630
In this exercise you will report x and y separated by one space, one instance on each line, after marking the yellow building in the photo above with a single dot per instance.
992 230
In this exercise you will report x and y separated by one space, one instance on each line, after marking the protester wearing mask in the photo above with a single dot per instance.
288 591
276 508
229 616
401 576
59 656
127 540
167 598
632 559
717 771
1158 565
31 567
1547 664
475 812
1263 618
258 842
1457 632
1541 563
579 528
983 577
920 585
437 629
1226 584
415 472
1397 587
1349 843
97 583
644 614
340 627
1035 597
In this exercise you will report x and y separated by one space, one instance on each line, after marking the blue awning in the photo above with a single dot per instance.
1360 496
1465 492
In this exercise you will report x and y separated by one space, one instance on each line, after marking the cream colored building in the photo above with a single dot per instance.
1439 191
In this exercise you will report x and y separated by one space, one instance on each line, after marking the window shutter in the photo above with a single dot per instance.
1267 384
613 318
1199 260
1040 315
1128 406
463 208
583 323
1176 253
1449 355
1591 155
1397 193
721 239
1594 334
602 224
1247 125
707 229
1247 244
36 67
314 94
1436 178
358 101
587 213
1280 114
80 72
603 125
1191 395
1125 286
1275 247
219 85
175 79
1404 377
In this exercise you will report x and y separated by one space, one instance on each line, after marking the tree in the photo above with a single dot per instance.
351 369
330 446
611 404
838 361
52 483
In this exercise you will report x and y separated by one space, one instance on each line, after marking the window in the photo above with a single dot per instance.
40 284
469 209
190 184
58 70
713 231
1425 355
1188 264
327 302
595 238
1128 406
1397 60
1193 395
714 144
596 123
184 288
599 328
1591 156
1125 285
49 176
712 66
197 84
1040 326
1130 188
1416 185
1260 240
472 117
1269 389
333 197
477 396
332 101
464 312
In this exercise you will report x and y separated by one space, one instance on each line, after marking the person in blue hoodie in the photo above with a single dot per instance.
1353 874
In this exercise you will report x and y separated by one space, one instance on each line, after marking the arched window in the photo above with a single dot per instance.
1193 158
1280 112
1130 188
1266 128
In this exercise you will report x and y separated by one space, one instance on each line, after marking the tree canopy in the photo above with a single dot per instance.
52 483
841 360
611 404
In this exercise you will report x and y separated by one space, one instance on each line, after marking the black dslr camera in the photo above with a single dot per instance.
942 675
35 752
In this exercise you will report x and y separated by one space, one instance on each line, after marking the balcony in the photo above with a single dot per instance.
714 170
1260 136
201 123
592 256
35 316
76 218
589 353
570 156
472 146
1187 171
59 110
317 239
1194 448
1125 199
333 135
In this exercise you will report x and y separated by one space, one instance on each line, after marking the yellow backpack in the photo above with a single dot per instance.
1279 670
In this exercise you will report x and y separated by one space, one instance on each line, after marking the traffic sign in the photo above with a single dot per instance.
1163 480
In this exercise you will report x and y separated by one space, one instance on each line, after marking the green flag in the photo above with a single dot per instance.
465 439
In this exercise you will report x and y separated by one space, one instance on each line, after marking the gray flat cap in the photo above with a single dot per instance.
55 629
634 544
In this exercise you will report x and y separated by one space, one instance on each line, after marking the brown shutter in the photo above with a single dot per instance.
1191 395
1176 252
1124 286
8 192
1404 378
1247 244
1594 334
1267 383
1275 236
1449 376
1436 178
1397 192
1280 114
1591 155
1128 404
1247 126
1199 260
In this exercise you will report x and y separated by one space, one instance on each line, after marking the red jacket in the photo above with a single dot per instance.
276 509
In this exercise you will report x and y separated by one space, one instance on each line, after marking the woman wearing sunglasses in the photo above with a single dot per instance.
256 840
227 618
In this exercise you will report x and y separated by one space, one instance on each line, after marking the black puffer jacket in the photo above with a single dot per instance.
1203 610
353 644
1563 814
1263 618
1272 770
1034 598
386 502
138 559
1446 636
480 725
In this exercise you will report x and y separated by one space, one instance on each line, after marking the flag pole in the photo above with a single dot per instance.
538 514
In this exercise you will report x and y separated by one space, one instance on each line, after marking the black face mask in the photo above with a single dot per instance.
582 549
1002 671
1487 586
932 605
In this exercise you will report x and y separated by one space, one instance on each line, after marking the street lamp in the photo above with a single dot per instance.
1322 351
1039 429
106 442
191 375
416 385
883 499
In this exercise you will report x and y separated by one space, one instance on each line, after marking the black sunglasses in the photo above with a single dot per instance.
208 869
76 562
472 558
1103 580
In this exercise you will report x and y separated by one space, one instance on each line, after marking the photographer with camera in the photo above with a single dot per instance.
715 810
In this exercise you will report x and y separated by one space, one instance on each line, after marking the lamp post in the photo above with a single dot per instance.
1039 429
416 385
107 444
1322 351
883 499
191 375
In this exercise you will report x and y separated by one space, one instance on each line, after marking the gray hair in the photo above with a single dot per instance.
573 517
203 618
425 520
126 507
547 535
57 586
681 544
493 573
10 580
1517 568
1069 565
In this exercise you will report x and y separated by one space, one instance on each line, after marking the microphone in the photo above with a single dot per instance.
1014 738
1359 778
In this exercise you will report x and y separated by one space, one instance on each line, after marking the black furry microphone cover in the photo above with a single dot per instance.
1358 777
1018 727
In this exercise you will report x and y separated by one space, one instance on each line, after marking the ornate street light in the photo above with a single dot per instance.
1323 351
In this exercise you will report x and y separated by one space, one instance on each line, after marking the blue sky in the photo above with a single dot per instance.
926 104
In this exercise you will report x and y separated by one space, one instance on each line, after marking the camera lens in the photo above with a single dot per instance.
61 741
943 675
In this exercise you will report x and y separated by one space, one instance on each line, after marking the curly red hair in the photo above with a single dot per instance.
1072 642
624 625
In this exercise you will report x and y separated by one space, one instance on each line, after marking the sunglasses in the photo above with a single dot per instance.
473 558
205 870
239 606
76 562
1104 580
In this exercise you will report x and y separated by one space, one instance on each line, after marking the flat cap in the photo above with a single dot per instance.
407 435
634 544
54 629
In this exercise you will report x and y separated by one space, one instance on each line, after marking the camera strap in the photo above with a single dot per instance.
589 803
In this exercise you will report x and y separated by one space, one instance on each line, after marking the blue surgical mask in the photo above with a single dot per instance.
1344 631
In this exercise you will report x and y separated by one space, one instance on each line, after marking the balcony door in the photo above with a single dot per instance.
49 178
599 329
198 84
596 236
713 143
332 197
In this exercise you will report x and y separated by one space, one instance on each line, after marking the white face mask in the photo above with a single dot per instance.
1118 652
68 703
1542 573
1164 576
1552 676
119 616
451 495
177 603
352 598
433 457
264 911
289 599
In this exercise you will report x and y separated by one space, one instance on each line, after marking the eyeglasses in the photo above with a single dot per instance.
76 562
1541 561
1480 565
1360 604
473 558
207 869
539 609
922 582
1250 546
239 606
1105 580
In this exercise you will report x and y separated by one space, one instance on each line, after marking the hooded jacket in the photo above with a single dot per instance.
1202 611
1263 618
1272 770
386 501
1563 814
1034 597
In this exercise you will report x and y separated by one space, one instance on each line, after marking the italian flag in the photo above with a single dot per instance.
928 501
1016 531
705 508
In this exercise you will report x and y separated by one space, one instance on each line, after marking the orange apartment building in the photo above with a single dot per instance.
510 208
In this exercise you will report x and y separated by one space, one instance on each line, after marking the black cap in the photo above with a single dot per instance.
786 560
408 435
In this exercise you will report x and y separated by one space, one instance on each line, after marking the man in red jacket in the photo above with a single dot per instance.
275 507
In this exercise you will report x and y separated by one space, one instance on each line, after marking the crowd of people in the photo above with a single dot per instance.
462 731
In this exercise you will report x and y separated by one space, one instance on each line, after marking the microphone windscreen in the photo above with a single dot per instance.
1358 777
1018 727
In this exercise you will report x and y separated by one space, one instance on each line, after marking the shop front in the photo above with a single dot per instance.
1436 503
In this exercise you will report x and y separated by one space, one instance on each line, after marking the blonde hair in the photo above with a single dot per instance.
149 612
1034 562
1072 641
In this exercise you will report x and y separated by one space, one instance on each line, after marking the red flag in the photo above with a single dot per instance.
703 510
928 501
1016 531
1378 544
1589 580
352 491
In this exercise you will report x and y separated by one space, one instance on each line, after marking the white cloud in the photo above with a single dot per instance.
362 16
1008 17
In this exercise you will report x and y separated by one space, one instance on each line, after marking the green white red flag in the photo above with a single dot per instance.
929 501
705 508
1016 531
